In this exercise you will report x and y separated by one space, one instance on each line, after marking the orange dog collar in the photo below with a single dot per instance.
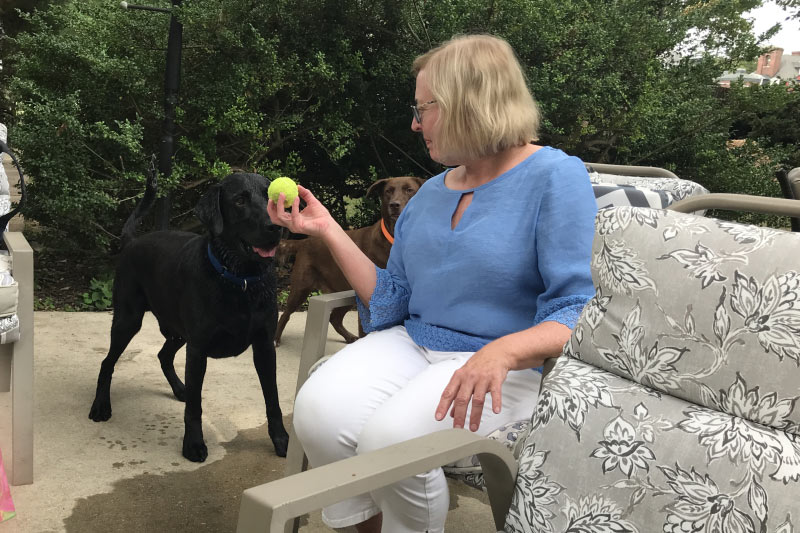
386 233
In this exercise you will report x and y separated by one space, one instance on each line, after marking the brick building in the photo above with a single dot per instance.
776 64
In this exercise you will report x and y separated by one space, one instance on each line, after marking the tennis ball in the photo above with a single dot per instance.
283 185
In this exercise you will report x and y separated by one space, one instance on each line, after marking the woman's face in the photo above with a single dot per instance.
429 113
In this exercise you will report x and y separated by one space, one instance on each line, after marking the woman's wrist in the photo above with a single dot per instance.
331 232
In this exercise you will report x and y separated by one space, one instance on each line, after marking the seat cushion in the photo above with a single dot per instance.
608 454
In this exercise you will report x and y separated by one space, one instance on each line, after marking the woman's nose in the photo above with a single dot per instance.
415 126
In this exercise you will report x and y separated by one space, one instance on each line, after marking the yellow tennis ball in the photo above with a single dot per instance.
283 185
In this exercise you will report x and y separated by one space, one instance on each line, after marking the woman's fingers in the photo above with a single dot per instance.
460 405
447 399
461 395
478 399
467 390
305 194
290 218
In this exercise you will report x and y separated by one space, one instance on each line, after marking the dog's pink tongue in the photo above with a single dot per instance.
265 253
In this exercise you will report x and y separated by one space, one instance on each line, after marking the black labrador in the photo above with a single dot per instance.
214 293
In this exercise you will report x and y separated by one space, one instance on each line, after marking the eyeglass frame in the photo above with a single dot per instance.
415 110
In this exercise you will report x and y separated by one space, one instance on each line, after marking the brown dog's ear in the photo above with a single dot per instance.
420 181
377 187
208 210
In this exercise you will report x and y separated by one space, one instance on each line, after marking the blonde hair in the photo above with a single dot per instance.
484 102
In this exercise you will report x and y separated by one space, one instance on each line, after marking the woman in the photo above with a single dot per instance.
487 275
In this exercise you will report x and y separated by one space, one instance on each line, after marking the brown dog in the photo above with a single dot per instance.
314 268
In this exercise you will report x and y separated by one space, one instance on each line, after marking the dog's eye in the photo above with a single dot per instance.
240 201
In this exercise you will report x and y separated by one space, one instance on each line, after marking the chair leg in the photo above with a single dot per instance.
296 462
22 362
21 413
5 370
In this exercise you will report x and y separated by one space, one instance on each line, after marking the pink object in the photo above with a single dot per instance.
6 504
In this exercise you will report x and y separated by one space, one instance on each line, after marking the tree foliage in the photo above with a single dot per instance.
319 90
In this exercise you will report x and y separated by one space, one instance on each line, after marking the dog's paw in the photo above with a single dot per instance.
100 411
195 451
180 393
280 439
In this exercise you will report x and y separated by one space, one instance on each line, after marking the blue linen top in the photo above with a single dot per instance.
519 256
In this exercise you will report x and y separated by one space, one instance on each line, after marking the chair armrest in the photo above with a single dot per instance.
272 506
314 340
738 202
316 332
20 249
22 355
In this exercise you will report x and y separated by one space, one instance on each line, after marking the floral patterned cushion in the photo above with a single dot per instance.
673 407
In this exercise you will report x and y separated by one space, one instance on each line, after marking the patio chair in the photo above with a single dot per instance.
790 187
613 185
16 332
672 408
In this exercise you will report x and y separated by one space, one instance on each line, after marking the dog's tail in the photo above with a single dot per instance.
144 205
22 194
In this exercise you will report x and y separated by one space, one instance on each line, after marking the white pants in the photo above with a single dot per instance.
381 390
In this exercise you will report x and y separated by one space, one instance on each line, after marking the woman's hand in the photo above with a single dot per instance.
488 368
313 220
483 373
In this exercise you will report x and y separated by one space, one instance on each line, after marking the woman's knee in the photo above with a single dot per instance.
315 411
381 431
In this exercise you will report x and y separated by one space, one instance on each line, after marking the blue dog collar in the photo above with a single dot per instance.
225 273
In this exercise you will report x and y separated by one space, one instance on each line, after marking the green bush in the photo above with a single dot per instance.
319 90
99 296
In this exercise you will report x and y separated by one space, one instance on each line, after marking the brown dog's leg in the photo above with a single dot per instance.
337 321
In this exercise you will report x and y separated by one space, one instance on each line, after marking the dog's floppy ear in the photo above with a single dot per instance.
419 181
377 187
208 210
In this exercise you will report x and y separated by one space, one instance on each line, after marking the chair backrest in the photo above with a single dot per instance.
674 406
655 187
790 187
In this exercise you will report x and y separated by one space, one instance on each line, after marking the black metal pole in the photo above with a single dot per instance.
172 77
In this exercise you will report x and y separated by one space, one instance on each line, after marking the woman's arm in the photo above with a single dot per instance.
315 220
354 264
486 371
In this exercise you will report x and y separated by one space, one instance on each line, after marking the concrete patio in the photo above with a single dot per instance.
128 474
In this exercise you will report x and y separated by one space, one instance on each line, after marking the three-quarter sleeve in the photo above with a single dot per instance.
565 230
388 305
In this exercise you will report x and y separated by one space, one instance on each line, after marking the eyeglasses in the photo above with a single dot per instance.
415 109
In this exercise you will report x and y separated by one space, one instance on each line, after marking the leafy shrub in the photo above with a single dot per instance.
99 296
